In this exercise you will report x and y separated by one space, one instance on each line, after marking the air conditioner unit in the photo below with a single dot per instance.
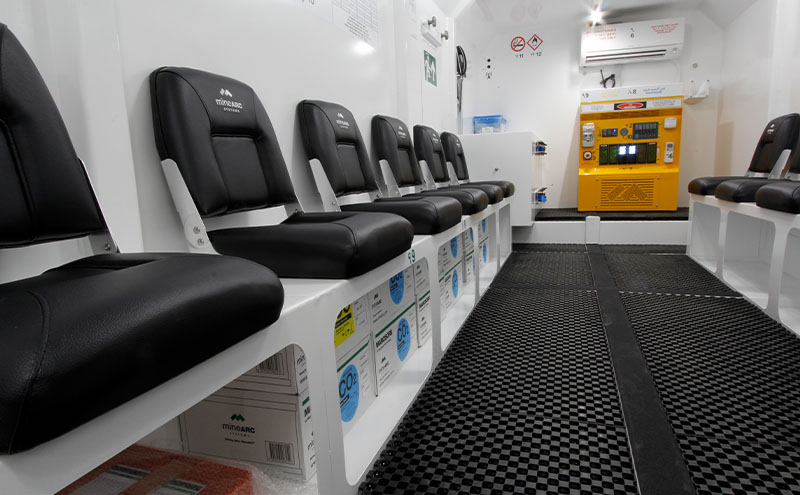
610 44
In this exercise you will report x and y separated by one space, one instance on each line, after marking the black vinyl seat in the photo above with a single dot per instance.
428 146
779 134
219 135
780 196
331 135
392 142
84 338
744 190
348 242
454 153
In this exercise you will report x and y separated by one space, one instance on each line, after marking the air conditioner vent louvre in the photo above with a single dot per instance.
611 57
627 43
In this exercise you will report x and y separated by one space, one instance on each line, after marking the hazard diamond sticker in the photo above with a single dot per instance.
535 42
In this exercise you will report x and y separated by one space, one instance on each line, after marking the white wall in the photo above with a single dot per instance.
745 93
96 56
421 102
542 93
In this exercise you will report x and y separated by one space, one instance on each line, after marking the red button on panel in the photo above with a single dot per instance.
587 155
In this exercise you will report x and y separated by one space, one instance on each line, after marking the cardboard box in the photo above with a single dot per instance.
355 382
422 289
260 428
394 345
483 253
139 470
449 254
283 373
451 288
469 256
352 326
483 231
391 298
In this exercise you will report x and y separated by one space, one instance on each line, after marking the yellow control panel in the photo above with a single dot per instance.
630 142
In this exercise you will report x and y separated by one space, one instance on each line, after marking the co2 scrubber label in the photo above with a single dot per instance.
394 344
348 393
355 382
396 288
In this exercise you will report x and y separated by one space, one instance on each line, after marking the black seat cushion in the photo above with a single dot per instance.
320 245
708 185
781 195
429 214
740 190
80 340
472 200
506 186
494 193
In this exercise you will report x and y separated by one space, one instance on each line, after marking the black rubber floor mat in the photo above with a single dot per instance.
728 377
677 274
551 248
572 214
546 355
479 451
524 401
546 269
644 248
727 466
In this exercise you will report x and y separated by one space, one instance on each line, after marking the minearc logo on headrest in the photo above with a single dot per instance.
228 105
342 123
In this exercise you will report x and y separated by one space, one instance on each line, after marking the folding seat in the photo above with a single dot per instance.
783 195
216 141
780 134
331 136
86 337
393 144
429 148
454 153
744 190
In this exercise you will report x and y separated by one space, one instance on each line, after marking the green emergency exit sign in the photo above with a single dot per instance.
430 68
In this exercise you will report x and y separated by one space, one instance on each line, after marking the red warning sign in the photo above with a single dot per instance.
535 42
631 105
518 43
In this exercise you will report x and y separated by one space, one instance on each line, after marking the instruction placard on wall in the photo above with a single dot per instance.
359 17
430 68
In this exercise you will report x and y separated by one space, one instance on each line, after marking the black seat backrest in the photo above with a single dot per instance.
44 192
781 133
794 158
454 153
218 132
392 140
429 147
331 135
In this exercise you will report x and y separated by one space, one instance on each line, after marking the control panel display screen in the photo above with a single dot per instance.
614 154
645 130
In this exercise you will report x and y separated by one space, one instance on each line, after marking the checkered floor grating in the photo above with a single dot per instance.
526 398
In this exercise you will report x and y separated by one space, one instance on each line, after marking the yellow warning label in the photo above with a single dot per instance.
345 325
